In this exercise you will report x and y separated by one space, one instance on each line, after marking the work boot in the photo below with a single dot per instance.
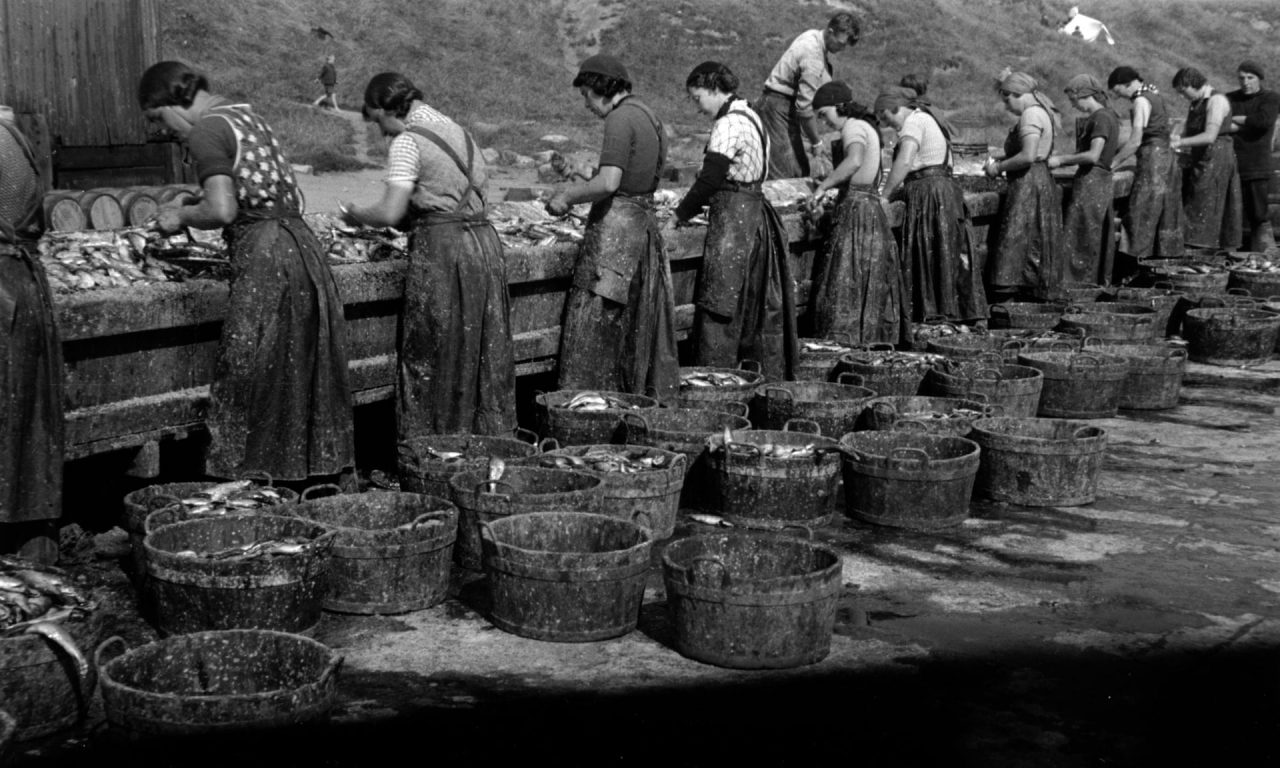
1261 239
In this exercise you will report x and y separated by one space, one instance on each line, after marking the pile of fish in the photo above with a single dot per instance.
959 413
596 401
896 359
527 222
288 545
767 450
622 459
449 457
1257 266
234 497
345 244
823 347
1188 269
119 258
31 593
713 379
923 332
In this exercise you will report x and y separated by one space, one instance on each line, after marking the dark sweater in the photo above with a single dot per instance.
1253 139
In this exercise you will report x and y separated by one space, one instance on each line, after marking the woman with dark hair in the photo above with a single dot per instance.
939 274
1028 259
857 288
279 402
455 371
743 306
1211 197
1088 222
1153 218
31 376
619 330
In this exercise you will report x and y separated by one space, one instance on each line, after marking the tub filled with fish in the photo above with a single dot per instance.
887 371
426 463
586 417
783 476
706 387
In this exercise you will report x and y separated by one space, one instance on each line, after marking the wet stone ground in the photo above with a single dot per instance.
1143 629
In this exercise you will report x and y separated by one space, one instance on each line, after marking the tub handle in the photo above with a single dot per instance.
308 493
708 562
782 394
842 337
989 359
483 484
977 397
736 405
1074 309
1015 344
1084 357
1163 285
808 426
885 406
486 532
1211 302
808 532
636 425
98 661
751 366
149 527
999 309
1078 434
1058 345
330 670
167 500
995 374
746 448
436 516
525 435
1091 341
908 425
852 379
547 444
934 319
648 519
1178 352
993 410
904 454
262 474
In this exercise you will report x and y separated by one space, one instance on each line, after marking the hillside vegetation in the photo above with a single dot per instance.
504 67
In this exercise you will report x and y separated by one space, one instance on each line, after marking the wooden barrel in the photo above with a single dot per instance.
834 407
137 204
707 387
562 416
750 601
1155 374
772 476
1078 385
62 211
102 209
1230 335
1039 462
947 416
565 576
1014 388
908 480
685 430
426 463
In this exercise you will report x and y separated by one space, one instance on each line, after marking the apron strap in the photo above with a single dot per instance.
657 128
764 140
466 169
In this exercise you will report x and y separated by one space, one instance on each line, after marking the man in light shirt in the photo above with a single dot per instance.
1086 27
786 108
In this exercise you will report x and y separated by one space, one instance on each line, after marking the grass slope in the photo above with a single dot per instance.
503 66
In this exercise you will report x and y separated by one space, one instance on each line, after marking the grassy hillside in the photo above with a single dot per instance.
505 66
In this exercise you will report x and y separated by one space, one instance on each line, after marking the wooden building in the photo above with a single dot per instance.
69 69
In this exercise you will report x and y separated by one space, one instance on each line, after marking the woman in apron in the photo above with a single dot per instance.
1211 198
619 329
940 276
31 377
1088 223
857 289
456 369
1029 255
279 402
744 308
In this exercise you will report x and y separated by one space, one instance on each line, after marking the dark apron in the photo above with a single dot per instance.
280 402
1029 252
455 371
1211 197
31 374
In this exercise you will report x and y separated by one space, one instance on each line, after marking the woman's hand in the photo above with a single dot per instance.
1054 162
346 212
991 168
168 220
559 205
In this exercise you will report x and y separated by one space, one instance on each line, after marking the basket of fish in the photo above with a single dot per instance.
817 358
937 327
933 415
240 683
586 417
1026 314
426 463
500 490
1257 274
641 483
703 387
886 371
1196 279
393 549
1012 390
238 572
685 430
833 406
783 476
45 619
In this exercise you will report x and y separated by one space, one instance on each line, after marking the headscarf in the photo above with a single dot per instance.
1086 85
1020 83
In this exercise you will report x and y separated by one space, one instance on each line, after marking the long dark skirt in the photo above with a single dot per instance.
1030 256
787 159
31 384
280 402
1211 198
1153 221
939 270
456 368
744 304
858 286
619 331
1089 226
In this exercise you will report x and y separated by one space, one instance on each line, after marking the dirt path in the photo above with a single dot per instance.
360 138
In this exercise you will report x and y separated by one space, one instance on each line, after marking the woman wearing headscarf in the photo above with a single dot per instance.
939 274
1088 223
279 402
1153 218
1211 197
857 288
455 371
743 305
31 376
1029 254
619 323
